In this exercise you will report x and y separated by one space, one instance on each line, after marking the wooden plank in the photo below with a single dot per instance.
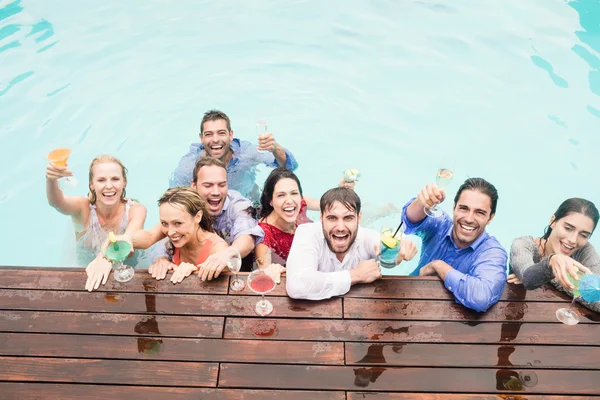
31 391
174 349
432 288
463 380
110 324
74 279
472 356
449 310
116 372
207 305
461 396
412 331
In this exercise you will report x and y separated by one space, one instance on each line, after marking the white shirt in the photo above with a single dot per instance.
313 270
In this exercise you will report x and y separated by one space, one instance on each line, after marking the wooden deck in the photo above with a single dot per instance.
398 338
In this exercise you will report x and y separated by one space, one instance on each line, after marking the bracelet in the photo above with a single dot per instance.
550 258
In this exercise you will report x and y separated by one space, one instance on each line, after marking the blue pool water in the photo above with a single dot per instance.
388 87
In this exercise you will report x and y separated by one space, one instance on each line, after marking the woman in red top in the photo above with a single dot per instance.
282 209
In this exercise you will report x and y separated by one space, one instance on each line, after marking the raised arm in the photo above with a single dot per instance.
137 217
67 205
429 196
142 239
282 157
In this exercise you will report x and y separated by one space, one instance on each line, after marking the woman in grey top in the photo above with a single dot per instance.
564 249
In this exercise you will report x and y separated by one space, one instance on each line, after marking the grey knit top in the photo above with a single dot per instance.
533 271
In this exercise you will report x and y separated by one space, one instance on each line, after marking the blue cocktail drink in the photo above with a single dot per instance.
389 248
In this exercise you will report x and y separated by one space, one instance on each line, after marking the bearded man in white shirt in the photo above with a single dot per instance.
327 258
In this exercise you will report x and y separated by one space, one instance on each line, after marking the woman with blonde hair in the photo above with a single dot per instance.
105 209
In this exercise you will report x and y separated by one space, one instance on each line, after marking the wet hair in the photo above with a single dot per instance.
267 194
204 162
186 198
214 115
482 186
346 196
573 205
105 158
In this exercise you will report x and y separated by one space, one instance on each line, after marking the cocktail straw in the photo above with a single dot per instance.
399 226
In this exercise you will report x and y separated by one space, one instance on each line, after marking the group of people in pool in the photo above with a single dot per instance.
208 215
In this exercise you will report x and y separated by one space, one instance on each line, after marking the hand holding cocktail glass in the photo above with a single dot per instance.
234 264
569 274
393 249
443 177
58 166
430 196
116 252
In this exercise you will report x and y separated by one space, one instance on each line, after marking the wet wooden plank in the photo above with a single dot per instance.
449 310
472 356
461 396
412 331
116 372
74 279
206 305
170 349
31 391
432 288
440 380
110 324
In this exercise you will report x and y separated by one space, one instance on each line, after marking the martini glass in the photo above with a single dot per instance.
59 158
261 283
442 180
569 316
116 253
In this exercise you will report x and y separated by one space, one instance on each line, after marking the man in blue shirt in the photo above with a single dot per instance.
471 263
240 157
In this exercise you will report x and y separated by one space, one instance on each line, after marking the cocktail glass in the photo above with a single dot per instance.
569 316
261 129
235 264
389 247
442 180
351 175
261 283
59 158
116 253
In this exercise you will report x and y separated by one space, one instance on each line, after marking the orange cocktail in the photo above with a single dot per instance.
59 157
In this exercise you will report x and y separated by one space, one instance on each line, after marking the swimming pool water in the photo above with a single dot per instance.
386 87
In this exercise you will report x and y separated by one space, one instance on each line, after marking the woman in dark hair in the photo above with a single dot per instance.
563 250
282 209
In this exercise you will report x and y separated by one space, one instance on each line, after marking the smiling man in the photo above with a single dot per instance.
240 157
471 263
232 219
328 257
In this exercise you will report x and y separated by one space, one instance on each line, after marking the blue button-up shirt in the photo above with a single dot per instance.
479 273
241 171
